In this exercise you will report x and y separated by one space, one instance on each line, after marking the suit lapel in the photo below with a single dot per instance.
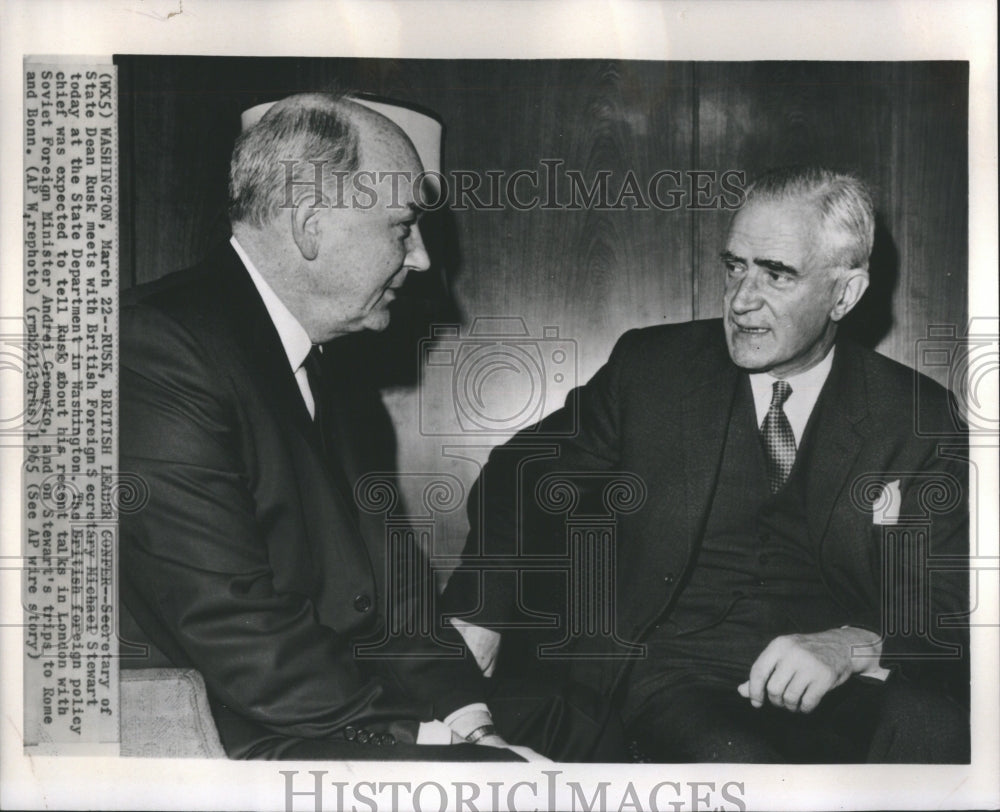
267 363
705 411
836 438
263 353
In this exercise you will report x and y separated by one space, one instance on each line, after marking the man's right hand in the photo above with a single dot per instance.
796 671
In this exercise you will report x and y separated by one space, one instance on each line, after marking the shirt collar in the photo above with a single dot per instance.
806 387
294 338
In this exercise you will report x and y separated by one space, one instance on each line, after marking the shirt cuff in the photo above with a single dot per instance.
434 732
466 719
874 670
461 722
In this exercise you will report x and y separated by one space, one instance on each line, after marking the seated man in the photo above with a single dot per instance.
780 614
251 562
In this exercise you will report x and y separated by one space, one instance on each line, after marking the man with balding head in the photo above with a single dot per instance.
251 561
785 613
336 263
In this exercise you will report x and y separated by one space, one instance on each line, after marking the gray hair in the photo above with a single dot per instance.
281 152
842 201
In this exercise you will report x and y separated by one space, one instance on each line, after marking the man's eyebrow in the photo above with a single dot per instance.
770 264
776 265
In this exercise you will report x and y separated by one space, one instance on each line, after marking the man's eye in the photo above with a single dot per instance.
779 279
733 269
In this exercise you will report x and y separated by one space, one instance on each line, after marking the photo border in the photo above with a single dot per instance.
407 28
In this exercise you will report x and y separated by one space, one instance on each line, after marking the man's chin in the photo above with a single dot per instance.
751 358
377 320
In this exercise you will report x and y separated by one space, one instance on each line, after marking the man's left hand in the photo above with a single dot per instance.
796 671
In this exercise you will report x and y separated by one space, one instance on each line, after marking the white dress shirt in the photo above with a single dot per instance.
294 338
806 387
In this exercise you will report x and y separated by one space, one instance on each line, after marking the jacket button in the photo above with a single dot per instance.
362 603
350 733
364 736
668 578
387 739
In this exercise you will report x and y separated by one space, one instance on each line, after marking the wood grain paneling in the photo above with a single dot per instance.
902 127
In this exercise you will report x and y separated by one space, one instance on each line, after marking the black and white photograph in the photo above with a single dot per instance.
598 429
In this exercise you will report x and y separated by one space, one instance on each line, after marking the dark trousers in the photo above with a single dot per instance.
561 720
702 720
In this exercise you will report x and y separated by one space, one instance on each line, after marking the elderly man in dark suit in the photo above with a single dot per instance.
251 561
776 585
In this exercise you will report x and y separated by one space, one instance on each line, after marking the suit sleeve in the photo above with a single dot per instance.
925 571
504 516
917 594
194 562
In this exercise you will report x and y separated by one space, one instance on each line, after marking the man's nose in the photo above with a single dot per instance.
744 293
416 254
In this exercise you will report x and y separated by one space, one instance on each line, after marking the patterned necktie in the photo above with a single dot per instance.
779 441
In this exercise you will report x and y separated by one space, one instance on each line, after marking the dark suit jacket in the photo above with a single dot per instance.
247 561
659 409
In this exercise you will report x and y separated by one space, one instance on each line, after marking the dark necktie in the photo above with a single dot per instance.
779 441
325 423
314 372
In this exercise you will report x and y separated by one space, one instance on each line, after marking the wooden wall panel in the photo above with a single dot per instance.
901 127
927 206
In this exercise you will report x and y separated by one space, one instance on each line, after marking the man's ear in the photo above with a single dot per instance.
852 287
306 226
